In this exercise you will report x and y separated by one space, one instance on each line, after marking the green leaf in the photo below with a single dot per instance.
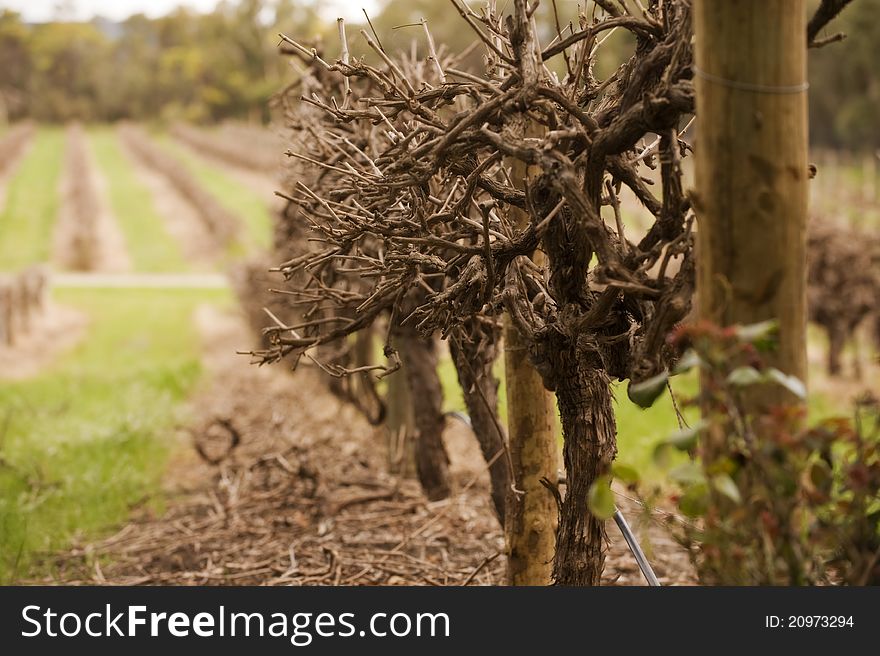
792 383
686 474
687 362
663 455
744 376
686 438
695 501
758 332
644 394
625 474
725 485
600 499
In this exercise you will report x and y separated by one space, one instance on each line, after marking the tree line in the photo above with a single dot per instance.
186 65
226 64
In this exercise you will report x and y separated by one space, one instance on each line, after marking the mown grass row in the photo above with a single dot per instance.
149 245
28 217
88 438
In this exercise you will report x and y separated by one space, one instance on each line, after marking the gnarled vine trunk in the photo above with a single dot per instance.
419 358
583 395
474 351
400 425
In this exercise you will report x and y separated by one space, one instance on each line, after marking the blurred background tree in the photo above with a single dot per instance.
185 65
844 86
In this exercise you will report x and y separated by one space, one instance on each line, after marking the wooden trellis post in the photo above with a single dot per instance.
751 169
530 525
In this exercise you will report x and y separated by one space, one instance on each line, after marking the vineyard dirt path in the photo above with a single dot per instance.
109 248
275 481
112 247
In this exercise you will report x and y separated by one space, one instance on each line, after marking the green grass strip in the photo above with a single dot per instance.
27 221
149 245
87 439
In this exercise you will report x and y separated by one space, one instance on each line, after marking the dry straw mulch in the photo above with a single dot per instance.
281 484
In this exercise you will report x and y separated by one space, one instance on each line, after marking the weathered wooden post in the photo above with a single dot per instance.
751 169
531 518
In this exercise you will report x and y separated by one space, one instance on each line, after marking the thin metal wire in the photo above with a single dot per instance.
751 86
636 549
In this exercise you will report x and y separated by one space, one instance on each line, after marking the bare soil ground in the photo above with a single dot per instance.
107 252
52 333
182 221
113 254
279 483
